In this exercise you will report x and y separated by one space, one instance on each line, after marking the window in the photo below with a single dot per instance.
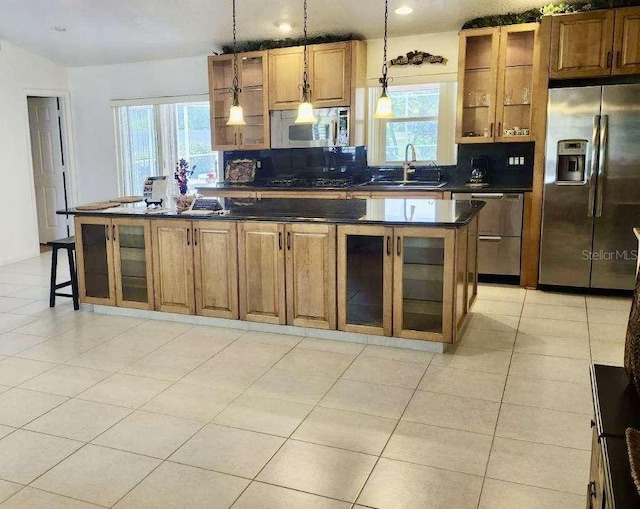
152 138
424 116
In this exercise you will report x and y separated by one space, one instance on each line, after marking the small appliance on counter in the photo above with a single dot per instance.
155 191
479 168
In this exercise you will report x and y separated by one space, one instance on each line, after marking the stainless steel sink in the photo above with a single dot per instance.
417 184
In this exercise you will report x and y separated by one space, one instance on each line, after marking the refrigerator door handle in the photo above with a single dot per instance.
594 165
602 164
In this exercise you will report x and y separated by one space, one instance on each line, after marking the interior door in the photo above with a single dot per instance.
48 167
216 268
311 275
173 266
567 216
618 195
262 273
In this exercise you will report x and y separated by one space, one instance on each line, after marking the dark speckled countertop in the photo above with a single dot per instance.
386 211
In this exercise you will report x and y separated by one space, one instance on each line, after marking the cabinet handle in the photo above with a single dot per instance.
499 133
240 138
618 58
288 241
398 245
235 138
591 489
280 241
609 59
491 130
195 236
113 233
188 236
106 230
388 245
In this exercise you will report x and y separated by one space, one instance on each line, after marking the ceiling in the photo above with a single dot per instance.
117 31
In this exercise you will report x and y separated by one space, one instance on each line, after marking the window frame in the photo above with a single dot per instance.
446 148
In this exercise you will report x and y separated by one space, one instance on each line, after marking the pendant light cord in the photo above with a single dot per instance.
236 83
384 79
305 73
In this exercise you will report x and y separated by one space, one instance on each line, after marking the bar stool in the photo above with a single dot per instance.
70 245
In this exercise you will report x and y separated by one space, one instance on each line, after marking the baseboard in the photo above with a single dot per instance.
349 337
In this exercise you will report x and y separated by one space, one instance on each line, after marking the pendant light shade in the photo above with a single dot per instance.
384 107
305 108
236 115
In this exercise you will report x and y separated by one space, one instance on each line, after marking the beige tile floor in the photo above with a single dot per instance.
105 411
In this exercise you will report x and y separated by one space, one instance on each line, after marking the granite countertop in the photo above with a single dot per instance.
450 187
386 211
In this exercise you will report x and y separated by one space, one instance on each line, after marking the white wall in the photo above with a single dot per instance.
92 89
443 44
21 72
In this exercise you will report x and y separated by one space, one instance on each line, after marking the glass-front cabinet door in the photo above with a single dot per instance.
423 283
516 78
365 279
223 137
132 262
253 77
95 260
477 74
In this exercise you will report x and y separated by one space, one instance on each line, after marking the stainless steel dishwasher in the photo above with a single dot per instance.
500 232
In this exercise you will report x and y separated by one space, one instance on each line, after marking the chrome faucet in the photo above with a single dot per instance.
406 167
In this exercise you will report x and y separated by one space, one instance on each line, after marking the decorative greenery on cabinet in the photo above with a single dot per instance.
534 15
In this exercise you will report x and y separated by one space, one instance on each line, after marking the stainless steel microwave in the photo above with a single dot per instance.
330 130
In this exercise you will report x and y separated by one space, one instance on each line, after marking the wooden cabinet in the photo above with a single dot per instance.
581 45
496 75
253 79
365 279
595 44
196 267
173 266
330 71
311 275
114 261
286 66
216 268
336 70
626 44
262 272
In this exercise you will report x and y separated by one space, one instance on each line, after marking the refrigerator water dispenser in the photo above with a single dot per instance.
572 156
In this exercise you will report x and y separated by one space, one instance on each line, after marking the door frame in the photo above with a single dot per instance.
67 148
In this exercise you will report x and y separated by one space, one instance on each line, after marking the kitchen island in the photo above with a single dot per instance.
363 269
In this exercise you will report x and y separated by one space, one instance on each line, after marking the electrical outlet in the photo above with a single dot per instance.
511 161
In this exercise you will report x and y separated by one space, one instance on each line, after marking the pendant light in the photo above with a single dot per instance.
383 107
305 109
236 115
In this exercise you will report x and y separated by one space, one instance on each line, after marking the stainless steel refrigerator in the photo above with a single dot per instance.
592 187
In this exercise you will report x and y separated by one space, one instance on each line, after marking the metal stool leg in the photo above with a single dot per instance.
54 273
74 279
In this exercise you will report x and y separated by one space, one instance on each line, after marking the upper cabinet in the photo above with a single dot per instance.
286 66
253 79
595 44
330 70
497 69
331 75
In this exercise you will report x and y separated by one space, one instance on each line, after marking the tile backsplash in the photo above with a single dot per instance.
305 162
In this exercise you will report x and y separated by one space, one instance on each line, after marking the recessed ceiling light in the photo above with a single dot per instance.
285 26
59 28
404 10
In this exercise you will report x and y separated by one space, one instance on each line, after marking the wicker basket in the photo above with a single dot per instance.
633 450
632 343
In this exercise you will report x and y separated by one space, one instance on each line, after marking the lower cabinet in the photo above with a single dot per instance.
400 281
195 265
114 261
288 274
262 273
311 275
173 266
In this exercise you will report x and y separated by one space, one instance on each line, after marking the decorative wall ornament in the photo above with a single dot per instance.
418 58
